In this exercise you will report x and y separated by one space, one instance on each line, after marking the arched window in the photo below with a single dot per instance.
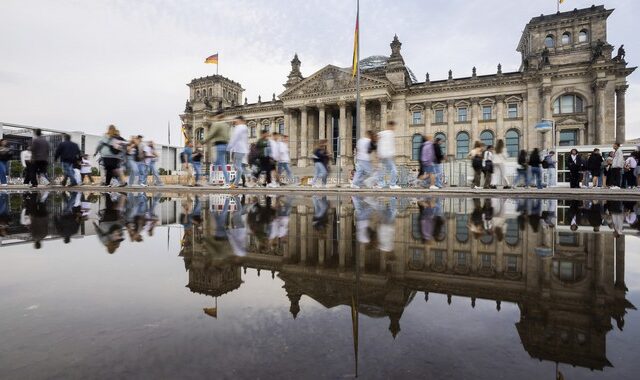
416 144
512 233
487 138
462 145
210 92
583 36
197 93
569 103
265 126
200 134
549 41
512 142
281 127
462 230
566 38
443 142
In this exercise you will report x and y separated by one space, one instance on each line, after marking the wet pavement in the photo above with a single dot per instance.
152 285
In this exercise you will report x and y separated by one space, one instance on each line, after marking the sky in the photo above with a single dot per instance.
81 65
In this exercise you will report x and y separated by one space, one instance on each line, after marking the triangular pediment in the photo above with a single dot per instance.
571 120
330 80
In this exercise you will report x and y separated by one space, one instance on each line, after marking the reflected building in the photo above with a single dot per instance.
568 287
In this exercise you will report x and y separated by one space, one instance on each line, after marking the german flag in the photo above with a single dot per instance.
212 59
355 46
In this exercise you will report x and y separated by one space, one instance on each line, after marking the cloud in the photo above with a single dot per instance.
81 65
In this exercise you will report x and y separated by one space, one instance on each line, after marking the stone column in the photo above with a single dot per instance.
302 159
500 117
620 110
363 118
311 129
349 135
525 120
322 126
475 133
383 113
599 88
272 125
545 139
292 128
451 134
342 133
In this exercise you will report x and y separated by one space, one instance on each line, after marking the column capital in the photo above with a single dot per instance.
500 98
475 100
451 102
600 85
304 109
428 105
621 89
342 104
545 90
321 106
383 100
524 96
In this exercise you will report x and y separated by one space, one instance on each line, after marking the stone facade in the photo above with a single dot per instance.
568 75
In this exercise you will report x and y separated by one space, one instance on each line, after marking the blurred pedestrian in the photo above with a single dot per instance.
616 166
39 158
536 170
386 152
499 176
5 156
68 153
219 137
239 147
476 163
85 169
522 171
594 166
575 165
550 164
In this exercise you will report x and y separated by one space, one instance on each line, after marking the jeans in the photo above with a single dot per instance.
67 169
132 166
536 174
154 172
552 178
3 172
363 171
197 166
142 173
521 174
389 166
237 164
284 167
221 160
439 174
320 173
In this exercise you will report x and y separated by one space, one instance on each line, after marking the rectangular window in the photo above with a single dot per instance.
568 137
486 112
512 264
439 116
417 117
513 111
486 261
566 104
281 127
462 114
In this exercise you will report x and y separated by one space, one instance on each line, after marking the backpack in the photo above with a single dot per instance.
545 163
253 153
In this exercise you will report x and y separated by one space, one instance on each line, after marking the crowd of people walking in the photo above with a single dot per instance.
132 162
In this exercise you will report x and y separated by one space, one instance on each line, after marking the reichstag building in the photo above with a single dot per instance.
569 74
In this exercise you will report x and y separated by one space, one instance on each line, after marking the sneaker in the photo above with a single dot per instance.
272 184
434 187
225 186
506 188
615 187
395 187
477 188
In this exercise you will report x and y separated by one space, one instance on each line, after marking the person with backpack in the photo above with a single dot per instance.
321 164
364 169
263 145
141 162
109 148
594 166
522 170
536 171
549 164
476 163
68 153
219 136
499 176
39 157
487 167
428 158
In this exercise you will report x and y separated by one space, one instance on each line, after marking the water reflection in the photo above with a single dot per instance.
567 281
561 262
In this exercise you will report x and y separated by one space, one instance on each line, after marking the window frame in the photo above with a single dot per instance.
459 154
550 41
585 33
568 37
462 118
561 103
438 120
509 144
509 115
571 142
415 156
485 140
419 120
484 114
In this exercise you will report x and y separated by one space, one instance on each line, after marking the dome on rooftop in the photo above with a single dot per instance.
374 62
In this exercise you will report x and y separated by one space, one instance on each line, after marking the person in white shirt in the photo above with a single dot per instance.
386 152
283 157
616 166
364 147
25 159
499 176
238 147
151 159
629 179
85 169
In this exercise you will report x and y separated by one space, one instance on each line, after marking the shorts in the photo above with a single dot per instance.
429 169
